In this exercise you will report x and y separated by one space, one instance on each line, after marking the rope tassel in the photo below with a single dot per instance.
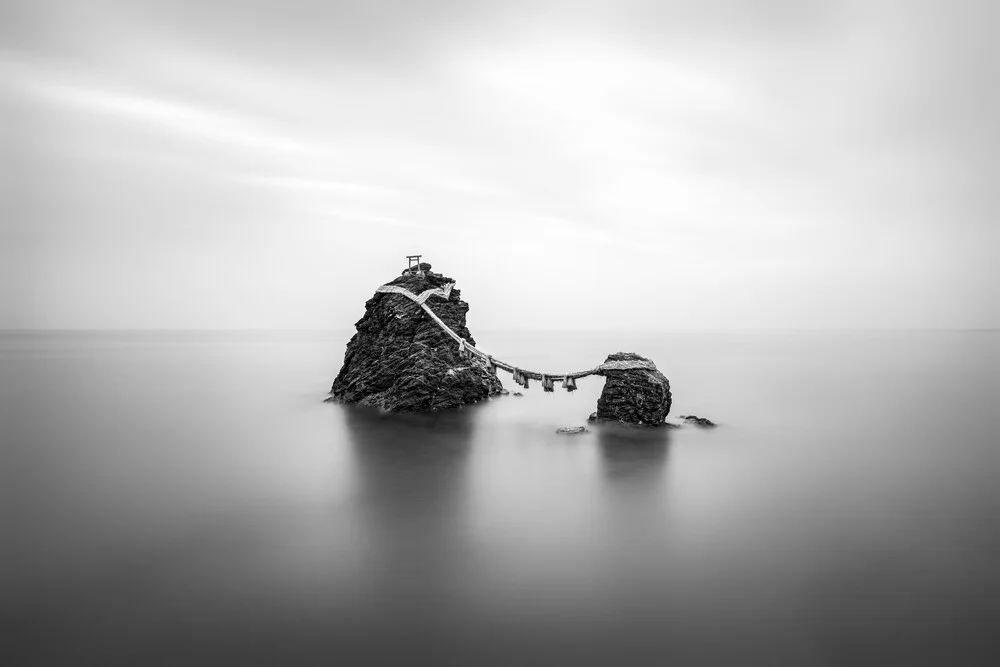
490 366
569 384
547 383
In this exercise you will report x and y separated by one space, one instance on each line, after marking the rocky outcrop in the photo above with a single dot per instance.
633 396
401 360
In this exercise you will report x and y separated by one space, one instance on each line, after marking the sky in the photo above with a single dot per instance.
573 165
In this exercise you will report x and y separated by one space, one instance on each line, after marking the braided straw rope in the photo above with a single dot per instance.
445 292
423 296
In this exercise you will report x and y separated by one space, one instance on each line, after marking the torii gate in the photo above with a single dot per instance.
414 259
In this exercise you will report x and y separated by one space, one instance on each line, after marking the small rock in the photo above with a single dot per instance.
504 392
517 393
571 430
638 396
703 422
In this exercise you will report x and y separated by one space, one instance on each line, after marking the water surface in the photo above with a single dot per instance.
187 498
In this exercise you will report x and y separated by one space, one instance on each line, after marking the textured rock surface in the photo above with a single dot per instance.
636 396
401 360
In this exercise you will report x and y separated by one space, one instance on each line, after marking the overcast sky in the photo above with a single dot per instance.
649 165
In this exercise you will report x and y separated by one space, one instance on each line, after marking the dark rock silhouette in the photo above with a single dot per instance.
634 396
401 360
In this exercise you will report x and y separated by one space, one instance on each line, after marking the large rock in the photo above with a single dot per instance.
401 360
634 396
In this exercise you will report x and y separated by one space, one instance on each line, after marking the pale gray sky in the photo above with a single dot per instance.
651 165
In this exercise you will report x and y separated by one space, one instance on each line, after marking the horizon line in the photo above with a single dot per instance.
56 330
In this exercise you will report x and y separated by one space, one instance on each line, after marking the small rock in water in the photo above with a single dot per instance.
504 392
571 430
703 422
639 396
517 393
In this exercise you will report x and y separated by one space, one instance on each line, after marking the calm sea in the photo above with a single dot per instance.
188 498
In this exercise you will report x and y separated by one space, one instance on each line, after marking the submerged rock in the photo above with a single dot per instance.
401 360
571 430
633 396
703 422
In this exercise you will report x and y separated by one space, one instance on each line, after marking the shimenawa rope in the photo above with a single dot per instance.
521 376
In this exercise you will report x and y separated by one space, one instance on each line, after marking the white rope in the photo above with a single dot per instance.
445 292
627 365
423 296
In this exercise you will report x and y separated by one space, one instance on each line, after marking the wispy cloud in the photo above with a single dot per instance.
179 117
317 186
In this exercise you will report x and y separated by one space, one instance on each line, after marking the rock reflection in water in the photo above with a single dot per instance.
412 471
